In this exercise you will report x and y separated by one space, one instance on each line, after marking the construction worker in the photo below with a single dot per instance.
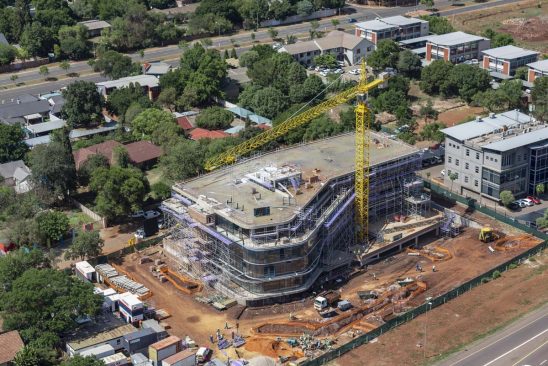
433 268
237 326
374 276
232 334
211 339
226 325
219 334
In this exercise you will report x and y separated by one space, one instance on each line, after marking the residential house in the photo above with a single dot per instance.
184 123
345 47
156 68
149 83
201 133
17 175
396 28
456 47
502 62
537 69
506 151
95 27
142 154
25 109
10 344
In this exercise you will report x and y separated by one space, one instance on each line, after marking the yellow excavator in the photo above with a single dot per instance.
488 235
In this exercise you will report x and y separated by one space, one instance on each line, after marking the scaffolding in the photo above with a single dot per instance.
417 202
450 227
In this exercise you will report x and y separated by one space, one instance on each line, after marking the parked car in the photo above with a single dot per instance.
352 20
514 206
140 233
442 172
528 202
535 200
151 214
137 214
354 72
161 224
338 71
520 203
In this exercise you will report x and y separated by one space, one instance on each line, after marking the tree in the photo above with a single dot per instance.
12 146
120 157
335 22
155 125
73 42
64 65
248 58
325 60
83 104
314 25
160 191
89 166
83 361
539 189
233 54
498 39
465 81
506 197
510 93
273 33
87 244
214 118
162 4
14 265
253 36
540 98
409 64
44 71
133 111
47 301
120 99
31 355
438 25
432 131
268 102
36 39
115 65
434 76
429 3
14 77
120 191
7 54
386 55
184 150
168 98
304 8
542 222
390 101
453 176
428 111
53 225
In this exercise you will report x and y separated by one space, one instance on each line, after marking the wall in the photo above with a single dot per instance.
298 18
90 213
23 65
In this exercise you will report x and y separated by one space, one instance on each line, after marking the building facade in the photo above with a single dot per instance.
149 83
501 152
502 62
396 28
536 70
456 47
273 227
345 47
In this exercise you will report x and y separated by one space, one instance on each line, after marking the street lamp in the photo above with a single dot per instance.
425 324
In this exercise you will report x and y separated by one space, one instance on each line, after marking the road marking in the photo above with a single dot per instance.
515 348
530 353
498 340
543 362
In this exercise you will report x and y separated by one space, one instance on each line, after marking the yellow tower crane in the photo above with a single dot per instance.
363 123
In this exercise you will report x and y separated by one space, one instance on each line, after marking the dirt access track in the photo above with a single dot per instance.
268 329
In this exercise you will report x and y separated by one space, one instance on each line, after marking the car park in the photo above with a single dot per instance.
535 200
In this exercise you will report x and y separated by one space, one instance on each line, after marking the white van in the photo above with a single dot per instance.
203 354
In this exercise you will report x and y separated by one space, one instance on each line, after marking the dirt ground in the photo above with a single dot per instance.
524 20
458 115
460 321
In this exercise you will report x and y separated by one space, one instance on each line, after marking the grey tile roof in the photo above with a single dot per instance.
454 38
509 52
157 68
333 39
95 24
13 112
389 23
143 80
7 170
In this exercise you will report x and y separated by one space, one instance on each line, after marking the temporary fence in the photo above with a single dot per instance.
126 250
432 303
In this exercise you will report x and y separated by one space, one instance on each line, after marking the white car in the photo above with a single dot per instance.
528 202
323 73
354 72
338 71
140 233
137 214
442 172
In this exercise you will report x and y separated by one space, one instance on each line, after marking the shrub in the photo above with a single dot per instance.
495 275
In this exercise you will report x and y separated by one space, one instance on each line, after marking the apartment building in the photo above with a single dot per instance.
502 62
456 47
396 28
507 151
537 70
345 47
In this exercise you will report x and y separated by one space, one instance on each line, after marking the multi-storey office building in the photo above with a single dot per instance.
507 151
455 47
537 69
396 28
502 62
272 227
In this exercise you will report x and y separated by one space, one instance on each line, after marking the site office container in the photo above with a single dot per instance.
118 359
100 351
131 307
85 271
161 350
184 358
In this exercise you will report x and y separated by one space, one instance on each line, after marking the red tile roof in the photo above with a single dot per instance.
200 133
104 148
264 126
184 123
142 151
11 343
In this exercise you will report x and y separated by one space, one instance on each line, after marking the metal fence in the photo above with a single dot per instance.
434 302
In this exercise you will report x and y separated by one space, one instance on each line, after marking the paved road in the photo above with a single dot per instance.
171 53
523 343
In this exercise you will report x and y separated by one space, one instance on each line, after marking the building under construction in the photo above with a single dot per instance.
271 227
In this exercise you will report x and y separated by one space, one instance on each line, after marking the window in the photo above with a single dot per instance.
465 179
457 162
477 169
476 183
466 165
467 152
477 155
358 51
449 159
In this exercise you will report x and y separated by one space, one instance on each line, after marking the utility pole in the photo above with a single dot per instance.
425 325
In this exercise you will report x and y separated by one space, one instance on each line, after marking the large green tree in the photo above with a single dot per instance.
120 99
73 42
155 125
409 64
386 55
82 361
87 244
115 65
83 104
7 54
46 301
438 25
120 191
269 102
53 225
187 151
14 265
465 81
540 98
12 146
214 118
434 76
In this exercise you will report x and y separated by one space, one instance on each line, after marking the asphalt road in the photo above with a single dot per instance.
171 54
523 343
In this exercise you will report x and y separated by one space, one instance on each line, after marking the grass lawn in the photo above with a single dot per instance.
154 175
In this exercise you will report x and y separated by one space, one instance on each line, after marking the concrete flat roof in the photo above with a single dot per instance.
454 38
535 136
509 52
143 80
327 159
539 65
388 23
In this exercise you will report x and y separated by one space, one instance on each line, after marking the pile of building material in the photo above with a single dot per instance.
109 275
